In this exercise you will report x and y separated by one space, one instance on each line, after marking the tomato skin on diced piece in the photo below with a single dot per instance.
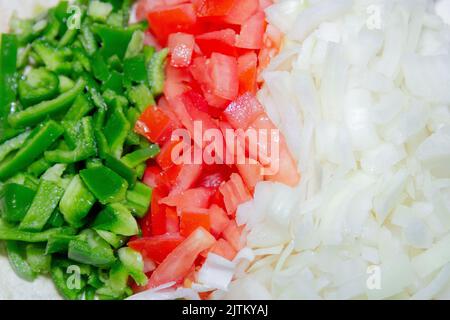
213 8
233 234
242 112
193 218
191 198
181 48
224 76
158 212
155 124
156 248
180 261
241 11
247 72
170 19
219 220
224 249
251 172
234 193
252 32
172 221
222 41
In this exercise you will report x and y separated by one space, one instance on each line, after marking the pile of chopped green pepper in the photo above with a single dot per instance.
70 162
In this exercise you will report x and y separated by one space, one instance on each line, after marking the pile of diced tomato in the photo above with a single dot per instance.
217 48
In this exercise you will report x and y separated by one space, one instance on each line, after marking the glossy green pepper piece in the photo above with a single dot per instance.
106 185
40 139
16 201
38 85
116 218
8 77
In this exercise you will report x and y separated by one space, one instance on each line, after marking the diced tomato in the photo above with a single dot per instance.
252 32
170 19
251 172
158 212
192 218
233 234
247 70
165 157
213 8
181 47
241 11
234 193
219 220
146 224
285 170
144 6
172 220
186 177
243 111
155 125
156 248
222 41
224 249
178 263
217 199
192 198
263 4
224 75
151 176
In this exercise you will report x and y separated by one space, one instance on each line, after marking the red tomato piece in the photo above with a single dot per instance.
144 6
251 173
192 198
233 234
181 47
170 19
155 124
286 172
172 220
223 249
243 111
186 177
252 32
152 175
222 41
224 75
241 11
156 248
247 71
234 193
158 212
192 219
219 220
146 224
165 156
179 262
214 8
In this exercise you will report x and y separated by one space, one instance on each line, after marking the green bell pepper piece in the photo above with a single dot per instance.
134 264
13 144
99 67
58 243
17 259
114 240
141 97
8 77
87 39
65 84
55 59
76 202
40 111
134 69
106 185
40 139
115 40
45 201
117 219
116 131
38 167
156 71
121 168
10 233
139 198
60 278
80 108
16 201
91 249
38 260
114 82
141 155
136 45
38 85
82 135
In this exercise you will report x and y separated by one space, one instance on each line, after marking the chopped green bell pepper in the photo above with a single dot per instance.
17 259
15 202
139 156
38 85
91 250
106 185
116 218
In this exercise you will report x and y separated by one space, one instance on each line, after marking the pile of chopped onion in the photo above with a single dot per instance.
361 91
